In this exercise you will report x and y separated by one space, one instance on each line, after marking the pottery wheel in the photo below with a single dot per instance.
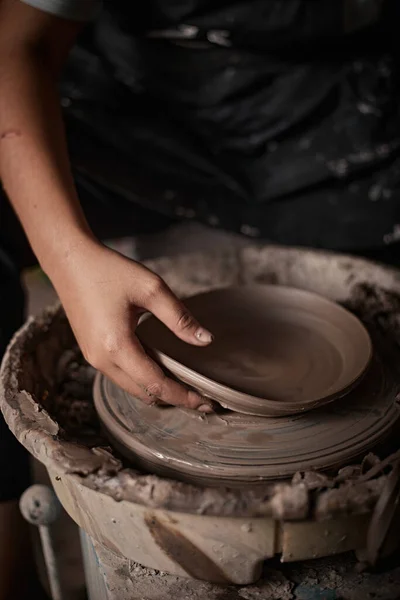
236 449
277 350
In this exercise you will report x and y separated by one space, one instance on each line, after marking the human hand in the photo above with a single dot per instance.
104 294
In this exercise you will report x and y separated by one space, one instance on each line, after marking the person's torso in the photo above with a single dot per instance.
269 99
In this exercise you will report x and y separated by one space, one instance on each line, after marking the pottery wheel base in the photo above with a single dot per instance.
234 449
233 530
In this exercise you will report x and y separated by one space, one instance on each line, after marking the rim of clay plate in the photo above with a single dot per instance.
249 404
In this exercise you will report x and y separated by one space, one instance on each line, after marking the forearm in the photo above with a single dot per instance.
34 164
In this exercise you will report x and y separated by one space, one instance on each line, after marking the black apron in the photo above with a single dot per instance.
274 118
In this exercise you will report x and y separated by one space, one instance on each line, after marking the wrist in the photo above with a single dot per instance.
63 254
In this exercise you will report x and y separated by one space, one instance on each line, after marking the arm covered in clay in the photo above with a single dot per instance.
102 292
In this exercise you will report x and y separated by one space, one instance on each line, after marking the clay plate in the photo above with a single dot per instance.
277 350
234 449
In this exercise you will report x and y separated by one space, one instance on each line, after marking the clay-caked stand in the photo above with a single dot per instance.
217 534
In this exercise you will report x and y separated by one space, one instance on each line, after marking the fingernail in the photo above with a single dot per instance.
204 336
205 408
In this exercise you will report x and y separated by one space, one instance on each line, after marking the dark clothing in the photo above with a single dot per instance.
14 472
269 117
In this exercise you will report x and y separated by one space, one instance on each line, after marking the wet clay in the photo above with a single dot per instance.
277 350
235 449
41 360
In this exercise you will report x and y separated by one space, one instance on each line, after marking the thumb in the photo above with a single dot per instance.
173 313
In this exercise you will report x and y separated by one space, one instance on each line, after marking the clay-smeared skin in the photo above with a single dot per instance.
278 345
9 134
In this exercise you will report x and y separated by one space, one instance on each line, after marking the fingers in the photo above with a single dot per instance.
173 313
139 375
